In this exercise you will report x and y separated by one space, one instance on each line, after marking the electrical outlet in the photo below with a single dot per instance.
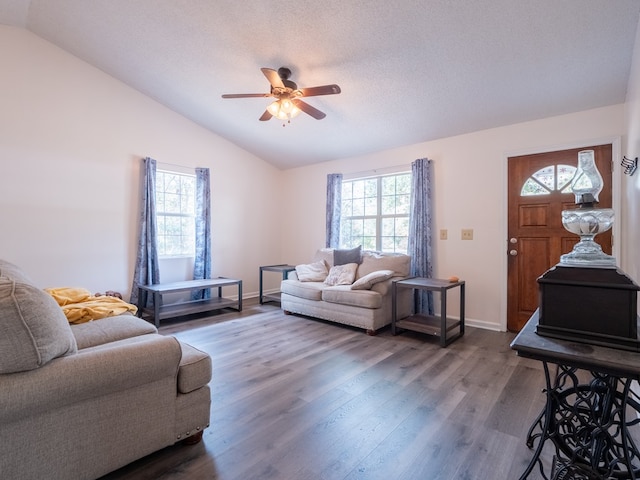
467 234
443 234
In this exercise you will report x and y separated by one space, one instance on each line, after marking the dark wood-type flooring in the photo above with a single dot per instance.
301 399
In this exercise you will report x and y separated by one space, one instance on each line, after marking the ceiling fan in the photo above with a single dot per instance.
288 95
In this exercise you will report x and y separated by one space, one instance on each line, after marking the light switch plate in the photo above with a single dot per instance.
443 234
467 234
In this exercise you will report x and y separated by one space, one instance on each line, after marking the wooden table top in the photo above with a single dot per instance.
618 362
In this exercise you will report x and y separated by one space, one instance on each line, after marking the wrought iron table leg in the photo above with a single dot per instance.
587 424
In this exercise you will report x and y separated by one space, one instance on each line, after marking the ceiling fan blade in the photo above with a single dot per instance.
273 77
322 90
265 116
245 95
308 109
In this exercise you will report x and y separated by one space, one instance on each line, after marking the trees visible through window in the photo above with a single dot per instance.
375 213
549 179
175 213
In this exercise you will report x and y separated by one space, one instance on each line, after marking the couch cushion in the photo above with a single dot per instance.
342 274
110 329
343 295
342 257
324 254
373 261
34 329
195 369
369 280
308 290
312 272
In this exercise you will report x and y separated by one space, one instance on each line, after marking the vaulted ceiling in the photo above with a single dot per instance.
410 71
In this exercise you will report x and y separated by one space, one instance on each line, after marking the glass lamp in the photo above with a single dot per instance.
283 109
586 220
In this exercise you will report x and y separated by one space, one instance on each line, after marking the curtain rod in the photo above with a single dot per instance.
174 167
376 172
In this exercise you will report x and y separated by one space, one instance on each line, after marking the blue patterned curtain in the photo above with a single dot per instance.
146 270
334 204
420 229
202 265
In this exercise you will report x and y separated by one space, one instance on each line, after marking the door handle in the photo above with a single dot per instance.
513 253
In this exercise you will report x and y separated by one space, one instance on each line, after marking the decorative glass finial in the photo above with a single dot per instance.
586 220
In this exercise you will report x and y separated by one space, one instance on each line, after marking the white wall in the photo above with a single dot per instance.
71 140
631 184
469 192
71 143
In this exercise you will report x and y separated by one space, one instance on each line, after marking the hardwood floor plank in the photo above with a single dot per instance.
295 398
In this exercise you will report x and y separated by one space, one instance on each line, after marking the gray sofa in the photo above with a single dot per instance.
365 303
77 402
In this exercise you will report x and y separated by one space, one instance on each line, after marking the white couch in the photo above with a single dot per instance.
368 307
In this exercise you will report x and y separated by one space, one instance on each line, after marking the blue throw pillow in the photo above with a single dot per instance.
353 255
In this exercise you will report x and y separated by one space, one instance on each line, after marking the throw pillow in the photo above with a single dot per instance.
342 274
342 257
369 280
312 272
34 329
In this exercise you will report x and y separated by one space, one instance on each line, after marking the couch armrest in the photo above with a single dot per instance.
90 373
383 287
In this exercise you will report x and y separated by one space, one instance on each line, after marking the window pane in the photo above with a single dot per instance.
531 187
388 244
347 208
388 227
546 176
548 179
388 185
403 184
368 243
371 188
402 227
369 227
402 204
565 174
358 189
388 205
371 206
160 205
175 213
358 207
375 213
171 184
357 227
172 203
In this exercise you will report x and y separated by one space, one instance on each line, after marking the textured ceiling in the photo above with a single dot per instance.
410 71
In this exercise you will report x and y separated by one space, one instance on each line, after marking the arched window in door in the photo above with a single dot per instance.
549 179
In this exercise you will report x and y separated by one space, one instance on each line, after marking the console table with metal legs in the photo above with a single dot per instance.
159 311
590 415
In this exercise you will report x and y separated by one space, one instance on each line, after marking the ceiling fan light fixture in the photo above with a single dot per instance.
283 109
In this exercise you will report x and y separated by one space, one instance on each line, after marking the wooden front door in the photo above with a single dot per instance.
538 190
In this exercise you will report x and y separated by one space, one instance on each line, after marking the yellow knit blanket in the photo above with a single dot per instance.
80 306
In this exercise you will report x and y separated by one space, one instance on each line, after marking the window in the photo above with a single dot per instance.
175 213
375 213
548 179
